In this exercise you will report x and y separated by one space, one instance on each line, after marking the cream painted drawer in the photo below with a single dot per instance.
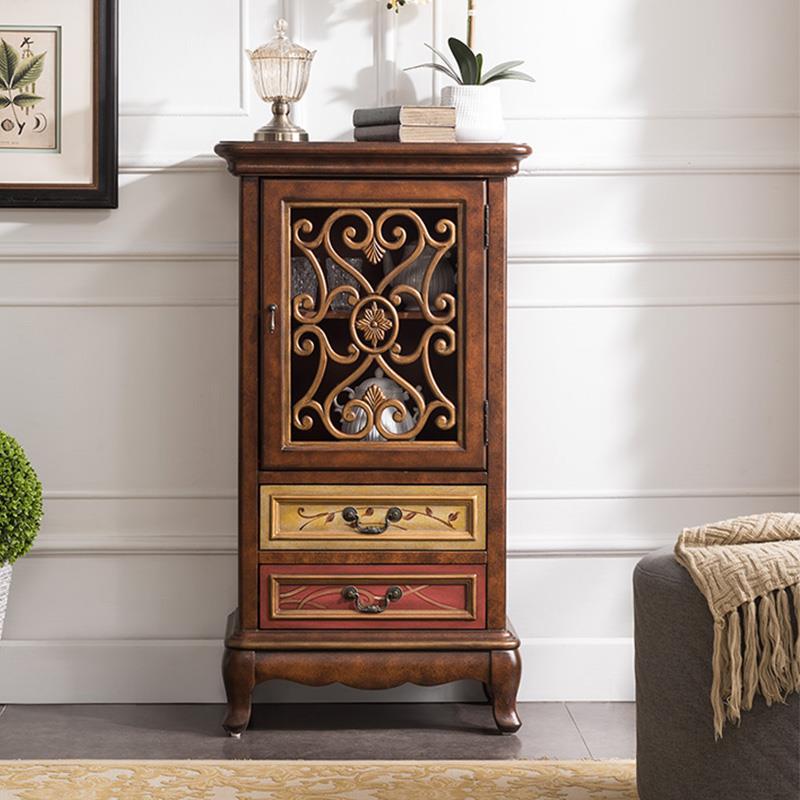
396 517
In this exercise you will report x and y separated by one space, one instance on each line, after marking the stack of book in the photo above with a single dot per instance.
405 124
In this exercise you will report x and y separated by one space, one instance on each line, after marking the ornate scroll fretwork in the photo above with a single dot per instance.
374 323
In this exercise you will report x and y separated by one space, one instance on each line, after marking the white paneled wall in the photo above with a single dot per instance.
654 325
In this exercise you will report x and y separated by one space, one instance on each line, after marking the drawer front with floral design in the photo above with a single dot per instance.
373 517
373 596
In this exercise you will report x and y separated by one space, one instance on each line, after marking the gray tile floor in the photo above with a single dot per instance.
317 731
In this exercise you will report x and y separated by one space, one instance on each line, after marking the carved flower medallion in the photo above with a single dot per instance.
373 324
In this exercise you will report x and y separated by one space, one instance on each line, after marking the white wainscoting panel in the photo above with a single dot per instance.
187 209
132 597
618 213
124 399
668 415
654 326
625 58
189 58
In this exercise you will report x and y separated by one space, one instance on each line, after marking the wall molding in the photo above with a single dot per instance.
649 302
242 109
586 114
188 671
133 110
143 494
561 545
541 165
525 494
722 250
653 494
155 163
519 546
119 302
681 164
602 545
522 254
84 252
134 544
522 305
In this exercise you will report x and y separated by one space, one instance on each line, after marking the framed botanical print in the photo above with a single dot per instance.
58 104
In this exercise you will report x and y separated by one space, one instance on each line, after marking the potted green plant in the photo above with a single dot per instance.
475 95
20 511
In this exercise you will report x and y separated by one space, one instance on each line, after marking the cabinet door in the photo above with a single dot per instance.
373 335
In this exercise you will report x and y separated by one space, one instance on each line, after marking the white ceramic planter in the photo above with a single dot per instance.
5 585
479 112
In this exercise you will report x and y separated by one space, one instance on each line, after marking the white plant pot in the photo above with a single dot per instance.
479 112
5 585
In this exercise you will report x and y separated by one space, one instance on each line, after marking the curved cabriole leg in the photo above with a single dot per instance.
238 672
506 668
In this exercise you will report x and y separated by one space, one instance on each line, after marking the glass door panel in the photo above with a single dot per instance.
382 342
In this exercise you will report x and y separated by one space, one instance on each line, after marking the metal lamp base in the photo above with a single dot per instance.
280 128
267 134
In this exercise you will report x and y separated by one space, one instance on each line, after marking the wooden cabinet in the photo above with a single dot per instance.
372 419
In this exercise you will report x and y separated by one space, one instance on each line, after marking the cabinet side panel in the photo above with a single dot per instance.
248 402
496 334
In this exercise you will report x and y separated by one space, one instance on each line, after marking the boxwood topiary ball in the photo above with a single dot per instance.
20 501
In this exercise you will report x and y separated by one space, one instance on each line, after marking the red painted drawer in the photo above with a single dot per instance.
429 596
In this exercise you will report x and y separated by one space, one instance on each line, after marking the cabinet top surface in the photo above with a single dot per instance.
372 159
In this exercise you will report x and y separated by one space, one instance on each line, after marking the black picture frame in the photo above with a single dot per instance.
103 192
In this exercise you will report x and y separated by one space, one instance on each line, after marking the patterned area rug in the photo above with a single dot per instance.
317 780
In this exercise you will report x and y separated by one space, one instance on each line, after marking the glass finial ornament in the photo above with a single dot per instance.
280 72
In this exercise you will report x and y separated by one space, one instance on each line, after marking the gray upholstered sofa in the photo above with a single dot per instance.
677 757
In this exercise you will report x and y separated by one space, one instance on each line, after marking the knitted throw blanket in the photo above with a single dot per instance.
748 569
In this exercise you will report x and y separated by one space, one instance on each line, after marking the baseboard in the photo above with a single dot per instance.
188 671
111 671
577 669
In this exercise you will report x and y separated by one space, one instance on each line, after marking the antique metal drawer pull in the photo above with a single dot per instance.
350 516
272 310
393 594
